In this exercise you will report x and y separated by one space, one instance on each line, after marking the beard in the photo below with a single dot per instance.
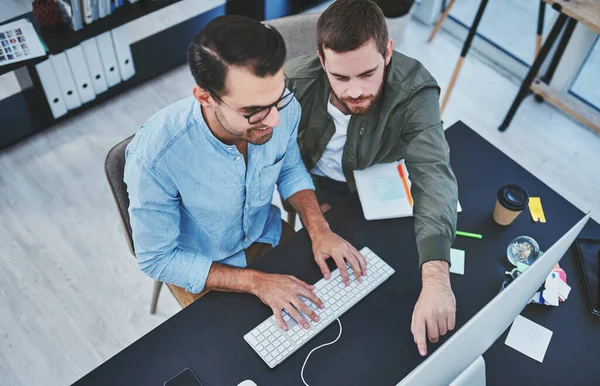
367 101
259 138
252 135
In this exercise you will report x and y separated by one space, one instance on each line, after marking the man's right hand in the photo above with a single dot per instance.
282 292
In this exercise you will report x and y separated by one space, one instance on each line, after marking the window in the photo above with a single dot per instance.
510 25
587 82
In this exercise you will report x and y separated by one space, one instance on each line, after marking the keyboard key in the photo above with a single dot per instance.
252 340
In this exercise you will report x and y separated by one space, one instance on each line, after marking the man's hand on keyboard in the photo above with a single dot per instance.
328 244
435 311
282 292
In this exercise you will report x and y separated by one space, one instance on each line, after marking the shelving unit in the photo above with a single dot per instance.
27 113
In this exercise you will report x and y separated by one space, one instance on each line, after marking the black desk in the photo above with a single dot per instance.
377 347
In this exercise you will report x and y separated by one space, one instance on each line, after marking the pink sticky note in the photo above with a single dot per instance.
562 274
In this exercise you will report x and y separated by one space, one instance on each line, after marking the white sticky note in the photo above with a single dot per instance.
563 289
536 298
551 295
457 259
529 338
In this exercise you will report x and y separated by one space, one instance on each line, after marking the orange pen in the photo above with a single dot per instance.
405 183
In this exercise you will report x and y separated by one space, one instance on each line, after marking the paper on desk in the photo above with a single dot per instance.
457 260
550 294
556 288
563 290
529 338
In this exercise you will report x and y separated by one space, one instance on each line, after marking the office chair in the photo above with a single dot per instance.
114 168
299 33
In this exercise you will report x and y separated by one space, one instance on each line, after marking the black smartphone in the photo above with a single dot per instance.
184 378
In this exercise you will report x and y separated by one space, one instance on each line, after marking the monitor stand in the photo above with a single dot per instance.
474 375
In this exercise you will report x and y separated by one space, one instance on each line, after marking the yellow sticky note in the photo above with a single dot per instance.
536 210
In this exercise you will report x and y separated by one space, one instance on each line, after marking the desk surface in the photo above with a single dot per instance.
376 347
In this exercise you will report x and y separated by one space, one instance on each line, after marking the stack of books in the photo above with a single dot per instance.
77 13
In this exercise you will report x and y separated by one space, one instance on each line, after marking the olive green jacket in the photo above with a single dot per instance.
404 123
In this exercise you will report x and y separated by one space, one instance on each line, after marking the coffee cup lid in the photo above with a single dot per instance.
513 197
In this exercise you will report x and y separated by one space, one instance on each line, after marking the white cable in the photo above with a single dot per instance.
316 348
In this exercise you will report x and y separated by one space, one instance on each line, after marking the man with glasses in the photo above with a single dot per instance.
201 174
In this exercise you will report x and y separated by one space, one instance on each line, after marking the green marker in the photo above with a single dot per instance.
467 234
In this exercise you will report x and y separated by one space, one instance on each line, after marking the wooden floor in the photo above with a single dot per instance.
70 294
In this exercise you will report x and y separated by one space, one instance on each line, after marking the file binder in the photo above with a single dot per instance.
51 88
81 75
65 80
94 63
102 9
86 7
95 15
109 59
123 52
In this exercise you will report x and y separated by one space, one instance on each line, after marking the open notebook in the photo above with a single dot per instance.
382 193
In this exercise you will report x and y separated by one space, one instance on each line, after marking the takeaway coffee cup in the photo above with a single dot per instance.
510 202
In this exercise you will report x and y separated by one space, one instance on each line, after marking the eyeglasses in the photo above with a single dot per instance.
263 112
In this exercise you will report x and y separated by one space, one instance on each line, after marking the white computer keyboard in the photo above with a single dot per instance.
274 345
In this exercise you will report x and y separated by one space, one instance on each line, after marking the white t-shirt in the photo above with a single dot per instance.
330 164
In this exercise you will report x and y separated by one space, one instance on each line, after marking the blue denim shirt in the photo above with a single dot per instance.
193 199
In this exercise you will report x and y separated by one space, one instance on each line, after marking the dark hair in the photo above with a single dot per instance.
348 24
234 40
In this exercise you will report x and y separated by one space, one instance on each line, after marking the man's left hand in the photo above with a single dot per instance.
328 244
435 312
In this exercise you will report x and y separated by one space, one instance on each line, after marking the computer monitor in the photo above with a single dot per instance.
459 361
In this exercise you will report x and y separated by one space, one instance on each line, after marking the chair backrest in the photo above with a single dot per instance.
299 33
114 168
